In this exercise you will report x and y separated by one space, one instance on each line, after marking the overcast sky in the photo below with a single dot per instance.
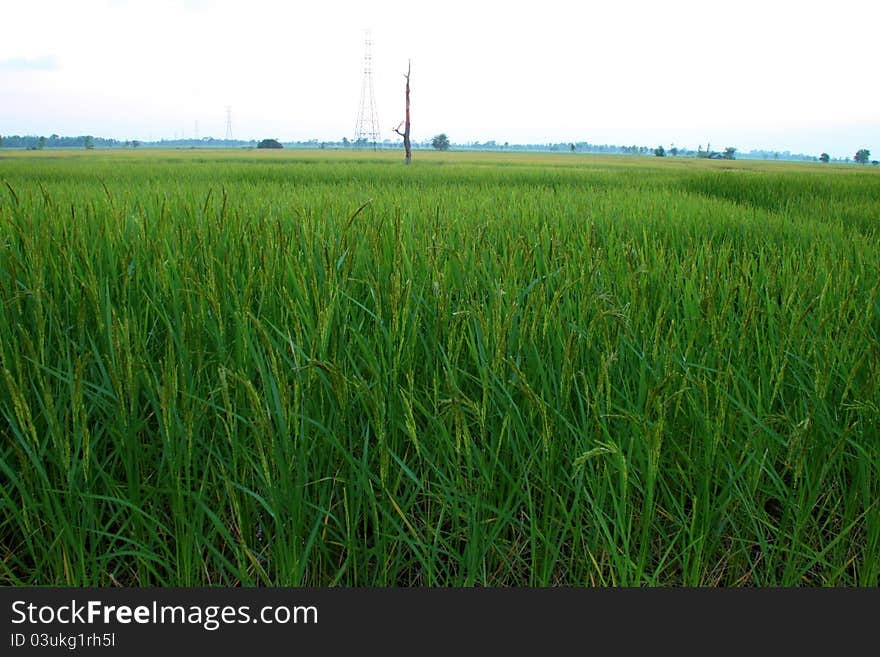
776 74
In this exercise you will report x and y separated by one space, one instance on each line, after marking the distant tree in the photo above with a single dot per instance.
269 143
135 143
824 158
345 142
862 156
1 141
42 143
440 142
673 151
875 162
729 153
88 142
572 147
660 151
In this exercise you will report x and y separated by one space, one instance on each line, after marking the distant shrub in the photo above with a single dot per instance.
270 143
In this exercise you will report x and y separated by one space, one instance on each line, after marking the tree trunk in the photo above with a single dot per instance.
405 133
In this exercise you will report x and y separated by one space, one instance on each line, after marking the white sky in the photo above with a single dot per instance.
776 74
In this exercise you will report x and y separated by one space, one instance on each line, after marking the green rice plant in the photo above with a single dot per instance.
307 368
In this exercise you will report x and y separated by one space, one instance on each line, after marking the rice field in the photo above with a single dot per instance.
328 369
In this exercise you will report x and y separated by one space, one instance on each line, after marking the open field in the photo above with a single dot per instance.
324 368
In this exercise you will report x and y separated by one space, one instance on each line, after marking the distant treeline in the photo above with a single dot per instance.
672 151
36 142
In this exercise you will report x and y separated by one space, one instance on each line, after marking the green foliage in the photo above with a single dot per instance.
862 156
824 158
269 143
660 151
440 142
329 369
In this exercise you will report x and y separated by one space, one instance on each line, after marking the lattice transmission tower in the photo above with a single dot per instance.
366 131
228 123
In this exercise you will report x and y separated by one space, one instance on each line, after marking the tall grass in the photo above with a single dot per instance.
311 370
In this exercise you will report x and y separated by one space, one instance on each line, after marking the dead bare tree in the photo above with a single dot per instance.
405 123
